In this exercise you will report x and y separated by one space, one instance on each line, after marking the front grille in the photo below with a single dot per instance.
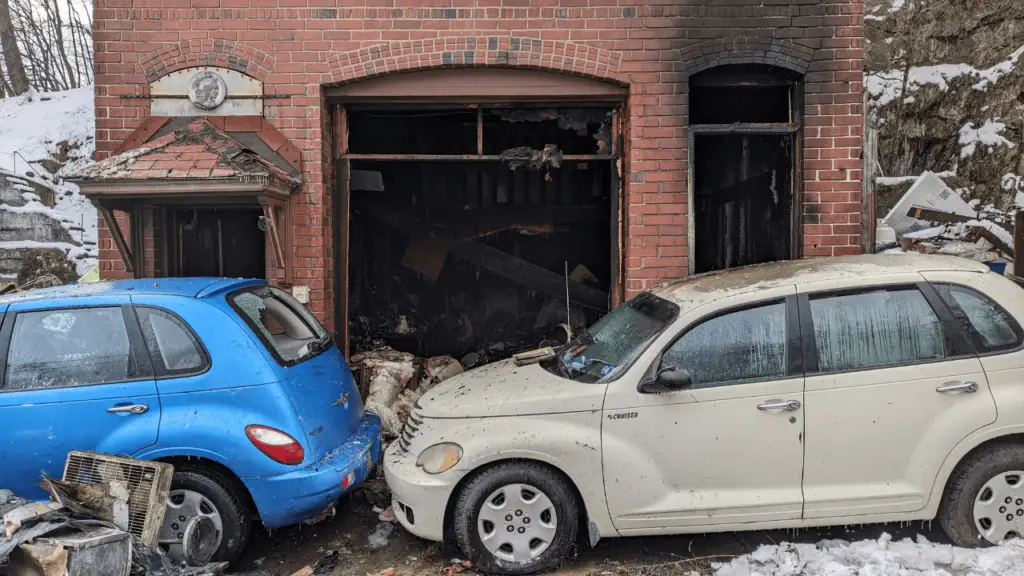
412 426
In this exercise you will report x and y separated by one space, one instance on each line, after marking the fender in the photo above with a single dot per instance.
965 446
570 443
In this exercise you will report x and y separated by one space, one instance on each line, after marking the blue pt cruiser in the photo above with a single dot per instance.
232 381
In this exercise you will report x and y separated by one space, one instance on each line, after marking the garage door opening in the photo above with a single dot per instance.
469 225
743 165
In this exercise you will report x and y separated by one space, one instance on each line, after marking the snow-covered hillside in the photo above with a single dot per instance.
43 138
945 84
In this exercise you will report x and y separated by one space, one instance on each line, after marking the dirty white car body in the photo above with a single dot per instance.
812 442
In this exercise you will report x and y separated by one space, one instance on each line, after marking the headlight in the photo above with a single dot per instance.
439 457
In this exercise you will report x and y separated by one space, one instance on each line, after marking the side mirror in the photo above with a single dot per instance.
668 379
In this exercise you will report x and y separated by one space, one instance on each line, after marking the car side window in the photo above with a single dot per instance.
991 328
875 329
747 344
69 347
170 342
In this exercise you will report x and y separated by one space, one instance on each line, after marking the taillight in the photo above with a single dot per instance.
277 445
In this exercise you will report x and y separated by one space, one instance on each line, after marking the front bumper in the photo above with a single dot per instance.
418 499
299 495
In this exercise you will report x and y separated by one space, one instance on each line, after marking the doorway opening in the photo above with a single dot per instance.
744 125
469 225
222 241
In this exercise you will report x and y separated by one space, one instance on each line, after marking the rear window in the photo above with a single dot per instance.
284 325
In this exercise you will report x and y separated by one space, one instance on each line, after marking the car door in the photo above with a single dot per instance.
74 378
725 450
892 386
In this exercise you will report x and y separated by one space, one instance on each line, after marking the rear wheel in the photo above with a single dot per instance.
516 518
199 491
984 501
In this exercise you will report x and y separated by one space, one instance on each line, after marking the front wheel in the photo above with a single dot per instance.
198 491
516 518
984 500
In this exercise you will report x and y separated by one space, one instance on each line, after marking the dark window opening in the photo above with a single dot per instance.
216 242
743 183
742 93
470 257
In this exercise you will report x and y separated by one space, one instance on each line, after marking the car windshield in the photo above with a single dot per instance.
615 341
282 323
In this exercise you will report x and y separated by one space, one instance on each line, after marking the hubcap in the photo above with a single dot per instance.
999 507
517 523
182 507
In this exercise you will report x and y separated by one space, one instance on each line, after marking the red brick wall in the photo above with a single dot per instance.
298 46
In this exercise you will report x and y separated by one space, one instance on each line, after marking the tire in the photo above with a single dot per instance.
226 497
523 481
957 512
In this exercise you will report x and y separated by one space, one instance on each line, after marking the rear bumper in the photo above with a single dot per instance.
299 495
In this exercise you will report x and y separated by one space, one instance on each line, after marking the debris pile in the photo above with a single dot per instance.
392 381
84 530
934 219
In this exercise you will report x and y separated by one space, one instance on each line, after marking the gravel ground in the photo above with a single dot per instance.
341 547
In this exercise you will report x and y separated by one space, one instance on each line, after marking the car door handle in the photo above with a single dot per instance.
788 405
967 387
129 409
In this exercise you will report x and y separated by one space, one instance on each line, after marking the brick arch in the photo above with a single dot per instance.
746 50
484 51
223 53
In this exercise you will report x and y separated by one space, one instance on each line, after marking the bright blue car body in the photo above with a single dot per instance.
199 416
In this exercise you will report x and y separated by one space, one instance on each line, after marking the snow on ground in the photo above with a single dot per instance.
32 127
988 134
884 87
881 557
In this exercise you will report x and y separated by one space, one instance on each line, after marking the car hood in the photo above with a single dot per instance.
504 389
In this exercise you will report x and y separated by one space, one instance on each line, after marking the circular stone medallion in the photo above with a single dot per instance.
207 90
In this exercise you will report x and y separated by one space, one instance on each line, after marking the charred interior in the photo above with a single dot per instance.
743 120
216 242
473 256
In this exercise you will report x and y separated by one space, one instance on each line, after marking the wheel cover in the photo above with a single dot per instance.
999 507
517 523
182 507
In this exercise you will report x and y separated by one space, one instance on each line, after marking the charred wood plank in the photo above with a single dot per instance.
982 232
932 215
528 274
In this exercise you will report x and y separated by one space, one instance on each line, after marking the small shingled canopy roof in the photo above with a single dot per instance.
189 161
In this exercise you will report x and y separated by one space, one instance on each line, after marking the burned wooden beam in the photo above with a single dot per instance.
996 241
117 236
528 274
931 215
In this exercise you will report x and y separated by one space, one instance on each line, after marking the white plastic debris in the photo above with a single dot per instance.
379 538
928 192
926 234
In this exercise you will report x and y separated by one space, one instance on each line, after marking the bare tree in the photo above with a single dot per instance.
12 55
51 41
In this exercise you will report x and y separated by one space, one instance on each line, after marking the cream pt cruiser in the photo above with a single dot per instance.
807 393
